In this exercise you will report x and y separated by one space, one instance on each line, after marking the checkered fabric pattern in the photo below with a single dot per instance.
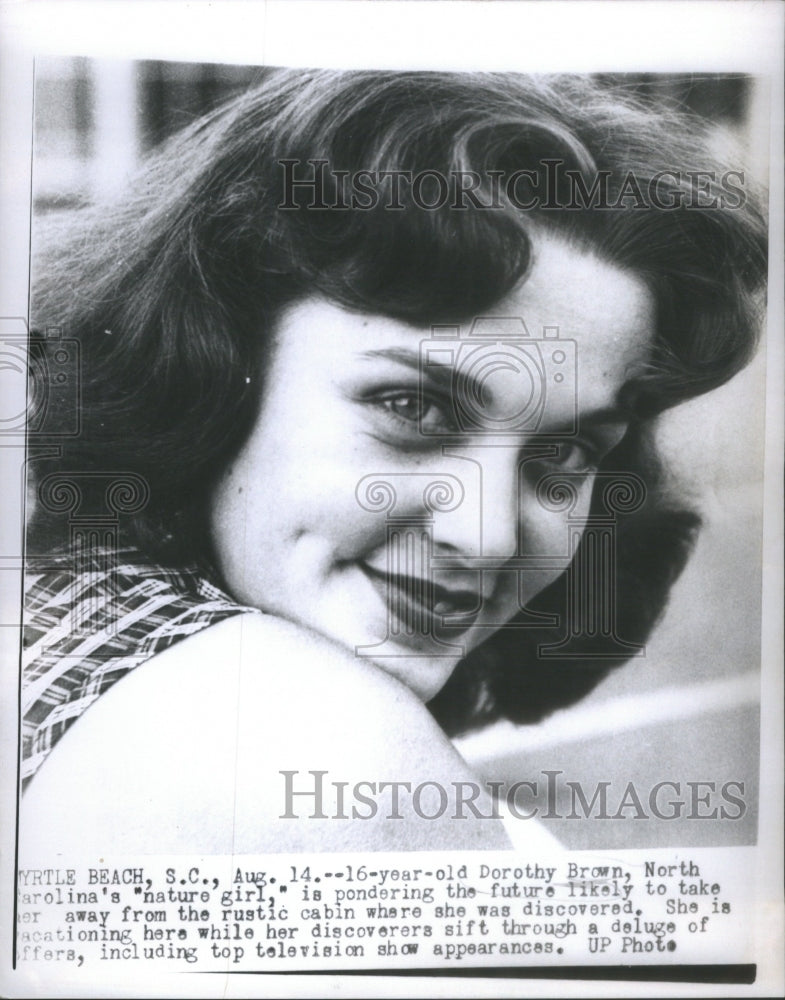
89 621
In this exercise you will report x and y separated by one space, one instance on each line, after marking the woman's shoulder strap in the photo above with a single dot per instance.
88 620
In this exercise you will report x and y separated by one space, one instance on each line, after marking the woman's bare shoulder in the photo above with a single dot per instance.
254 735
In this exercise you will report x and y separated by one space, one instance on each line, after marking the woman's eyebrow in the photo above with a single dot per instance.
605 418
442 373
605 415
439 373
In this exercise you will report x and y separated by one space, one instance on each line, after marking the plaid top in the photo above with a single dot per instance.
89 619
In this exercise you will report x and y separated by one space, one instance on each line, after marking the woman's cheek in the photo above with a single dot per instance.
555 529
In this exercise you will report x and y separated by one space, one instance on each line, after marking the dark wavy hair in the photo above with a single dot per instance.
173 294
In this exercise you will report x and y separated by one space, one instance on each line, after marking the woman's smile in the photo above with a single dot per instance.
412 597
376 505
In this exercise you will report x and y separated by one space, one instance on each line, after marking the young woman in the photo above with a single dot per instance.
363 356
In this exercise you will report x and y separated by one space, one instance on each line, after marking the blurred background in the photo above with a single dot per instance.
688 710
95 119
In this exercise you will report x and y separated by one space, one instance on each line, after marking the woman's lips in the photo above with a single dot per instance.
419 605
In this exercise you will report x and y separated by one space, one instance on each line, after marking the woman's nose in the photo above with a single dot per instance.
485 525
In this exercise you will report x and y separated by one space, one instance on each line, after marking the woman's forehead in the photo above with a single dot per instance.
609 311
604 314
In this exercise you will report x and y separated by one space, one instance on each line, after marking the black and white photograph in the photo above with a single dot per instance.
393 500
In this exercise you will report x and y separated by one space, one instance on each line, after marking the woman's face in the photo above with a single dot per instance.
412 575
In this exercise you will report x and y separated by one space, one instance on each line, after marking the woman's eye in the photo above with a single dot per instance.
573 456
418 410
576 456
411 407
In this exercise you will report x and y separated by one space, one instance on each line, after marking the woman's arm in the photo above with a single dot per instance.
185 754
